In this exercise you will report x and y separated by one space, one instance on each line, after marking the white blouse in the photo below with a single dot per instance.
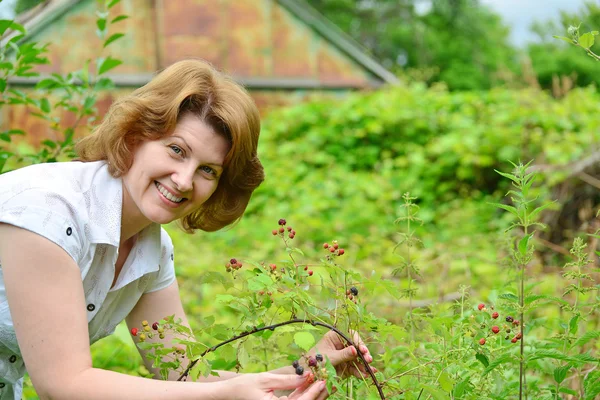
78 206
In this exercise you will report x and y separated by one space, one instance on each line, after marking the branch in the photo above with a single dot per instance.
292 321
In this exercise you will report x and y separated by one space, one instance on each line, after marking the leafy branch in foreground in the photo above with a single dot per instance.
585 41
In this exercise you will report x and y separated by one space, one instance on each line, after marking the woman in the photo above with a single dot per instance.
81 247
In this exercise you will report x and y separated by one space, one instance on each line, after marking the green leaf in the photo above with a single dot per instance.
107 64
524 243
461 388
113 38
566 39
560 373
591 385
535 212
509 296
482 358
509 176
45 105
586 40
435 393
573 324
2 85
586 338
503 359
112 4
446 382
101 24
304 340
508 208
49 143
119 18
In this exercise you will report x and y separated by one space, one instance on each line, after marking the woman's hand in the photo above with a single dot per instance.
342 356
262 387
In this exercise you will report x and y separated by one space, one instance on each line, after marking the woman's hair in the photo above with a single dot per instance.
152 112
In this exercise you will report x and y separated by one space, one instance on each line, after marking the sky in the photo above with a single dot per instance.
518 14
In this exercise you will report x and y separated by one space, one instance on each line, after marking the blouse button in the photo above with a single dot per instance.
172 257
1 385
91 307
12 358
69 231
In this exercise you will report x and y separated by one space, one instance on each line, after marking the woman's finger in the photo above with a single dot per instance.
313 392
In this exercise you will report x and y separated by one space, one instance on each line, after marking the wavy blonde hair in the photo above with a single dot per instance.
152 112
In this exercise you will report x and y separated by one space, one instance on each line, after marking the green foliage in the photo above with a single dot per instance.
462 43
75 92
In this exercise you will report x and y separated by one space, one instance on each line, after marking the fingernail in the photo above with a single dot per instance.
322 385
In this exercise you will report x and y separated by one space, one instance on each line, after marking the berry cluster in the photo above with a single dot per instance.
352 294
146 332
281 231
334 248
511 322
233 265
315 364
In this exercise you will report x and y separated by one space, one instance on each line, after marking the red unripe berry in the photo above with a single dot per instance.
325 245
480 306
281 230
282 221
347 292
274 232
495 315
350 297
134 331
155 326
495 329
518 336
292 235
514 340
289 228
261 292
233 261
335 246
273 267
310 272
306 267
332 249
312 362
516 322
482 341
341 252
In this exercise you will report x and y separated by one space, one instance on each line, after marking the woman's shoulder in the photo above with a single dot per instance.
73 197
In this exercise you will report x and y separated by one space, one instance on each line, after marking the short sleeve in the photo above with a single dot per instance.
166 273
47 214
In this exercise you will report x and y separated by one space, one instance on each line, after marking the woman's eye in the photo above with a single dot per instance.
176 149
208 170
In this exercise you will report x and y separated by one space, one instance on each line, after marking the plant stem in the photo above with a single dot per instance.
292 321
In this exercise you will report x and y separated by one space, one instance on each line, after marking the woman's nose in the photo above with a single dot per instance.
183 179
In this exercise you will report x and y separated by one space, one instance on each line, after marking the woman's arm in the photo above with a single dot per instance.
47 305
153 307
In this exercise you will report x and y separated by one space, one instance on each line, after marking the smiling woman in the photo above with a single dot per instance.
181 148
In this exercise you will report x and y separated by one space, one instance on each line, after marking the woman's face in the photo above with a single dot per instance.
173 176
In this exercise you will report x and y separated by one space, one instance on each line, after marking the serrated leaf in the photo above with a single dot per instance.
591 385
304 340
503 359
586 40
509 296
586 338
113 37
560 373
